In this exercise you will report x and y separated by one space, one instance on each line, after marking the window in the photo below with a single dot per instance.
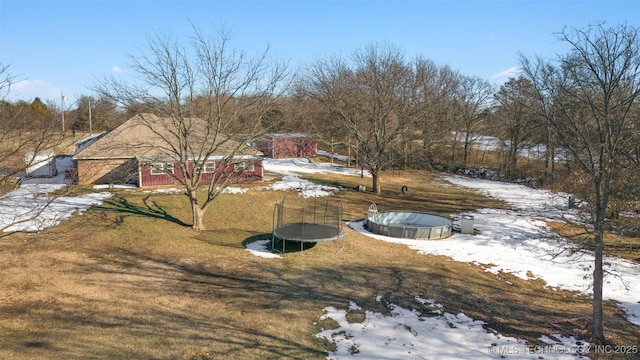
206 167
209 167
244 166
161 168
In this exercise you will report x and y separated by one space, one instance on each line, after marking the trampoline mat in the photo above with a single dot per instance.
308 232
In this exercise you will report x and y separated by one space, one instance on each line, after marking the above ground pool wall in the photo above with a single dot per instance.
442 230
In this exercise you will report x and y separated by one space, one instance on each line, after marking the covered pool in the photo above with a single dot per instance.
408 224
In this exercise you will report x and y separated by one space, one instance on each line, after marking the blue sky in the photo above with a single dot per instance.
52 45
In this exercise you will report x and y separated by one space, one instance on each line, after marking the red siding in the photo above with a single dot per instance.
265 145
279 147
148 179
151 180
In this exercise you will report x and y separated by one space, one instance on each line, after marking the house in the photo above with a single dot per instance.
287 145
41 164
140 152
82 143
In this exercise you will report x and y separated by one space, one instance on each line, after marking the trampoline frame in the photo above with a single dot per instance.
310 228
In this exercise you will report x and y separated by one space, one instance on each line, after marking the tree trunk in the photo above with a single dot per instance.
598 277
466 150
553 161
332 150
453 148
602 184
513 158
376 182
549 154
197 215
405 153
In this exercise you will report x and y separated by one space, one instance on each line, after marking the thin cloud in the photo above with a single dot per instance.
30 89
502 77
116 69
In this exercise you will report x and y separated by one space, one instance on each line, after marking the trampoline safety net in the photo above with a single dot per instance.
315 221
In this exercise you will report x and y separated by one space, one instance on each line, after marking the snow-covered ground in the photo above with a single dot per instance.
290 168
409 334
524 243
527 150
516 241
31 208
335 156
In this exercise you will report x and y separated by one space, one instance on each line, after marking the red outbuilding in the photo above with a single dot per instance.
287 145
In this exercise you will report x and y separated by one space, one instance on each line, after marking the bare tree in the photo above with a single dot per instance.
307 113
539 74
6 80
371 96
24 128
597 87
473 97
516 120
211 99
435 91
94 115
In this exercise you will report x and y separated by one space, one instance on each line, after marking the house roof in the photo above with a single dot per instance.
287 135
150 136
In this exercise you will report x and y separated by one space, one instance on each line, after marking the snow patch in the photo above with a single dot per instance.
407 334
261 248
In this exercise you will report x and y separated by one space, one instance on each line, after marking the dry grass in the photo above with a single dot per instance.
626 247
7 184
129 280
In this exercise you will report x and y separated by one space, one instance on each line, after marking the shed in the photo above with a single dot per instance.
287 145
41 163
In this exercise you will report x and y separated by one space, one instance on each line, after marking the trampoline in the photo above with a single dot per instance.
408 224
315 222
308 232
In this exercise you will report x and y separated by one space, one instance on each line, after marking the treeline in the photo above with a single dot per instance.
391 112
103 113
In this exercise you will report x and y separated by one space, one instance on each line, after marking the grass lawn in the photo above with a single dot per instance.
129 280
